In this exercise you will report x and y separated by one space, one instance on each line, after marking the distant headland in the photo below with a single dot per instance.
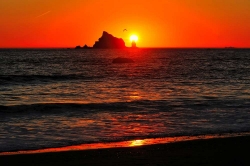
107 41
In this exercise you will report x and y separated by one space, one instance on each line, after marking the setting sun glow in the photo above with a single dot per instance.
133 38
188 23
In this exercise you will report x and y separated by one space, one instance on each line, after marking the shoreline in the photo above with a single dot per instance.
212 151
124 144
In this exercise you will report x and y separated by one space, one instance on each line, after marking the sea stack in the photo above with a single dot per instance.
109 41
133 44
122 60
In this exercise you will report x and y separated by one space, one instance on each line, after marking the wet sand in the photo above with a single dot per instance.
233 151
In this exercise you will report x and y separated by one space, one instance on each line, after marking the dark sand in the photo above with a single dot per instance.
221 151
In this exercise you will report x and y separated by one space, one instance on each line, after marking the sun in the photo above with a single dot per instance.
133 38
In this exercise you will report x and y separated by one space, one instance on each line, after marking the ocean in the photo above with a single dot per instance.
63 97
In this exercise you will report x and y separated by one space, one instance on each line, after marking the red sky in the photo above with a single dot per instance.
161 23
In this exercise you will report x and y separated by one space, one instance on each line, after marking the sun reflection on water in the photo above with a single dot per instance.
134 96
137 143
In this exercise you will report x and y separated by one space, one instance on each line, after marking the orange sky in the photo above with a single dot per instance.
158 23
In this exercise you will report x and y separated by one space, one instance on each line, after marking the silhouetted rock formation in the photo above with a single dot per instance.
109 41
78 47
122 60
133 44
86 47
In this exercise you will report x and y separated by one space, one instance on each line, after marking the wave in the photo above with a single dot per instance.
146 105
86 107
17 79
40 125
61 107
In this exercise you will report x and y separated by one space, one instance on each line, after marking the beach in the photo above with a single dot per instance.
135 83
216 151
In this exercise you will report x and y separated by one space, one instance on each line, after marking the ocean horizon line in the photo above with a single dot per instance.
31 48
